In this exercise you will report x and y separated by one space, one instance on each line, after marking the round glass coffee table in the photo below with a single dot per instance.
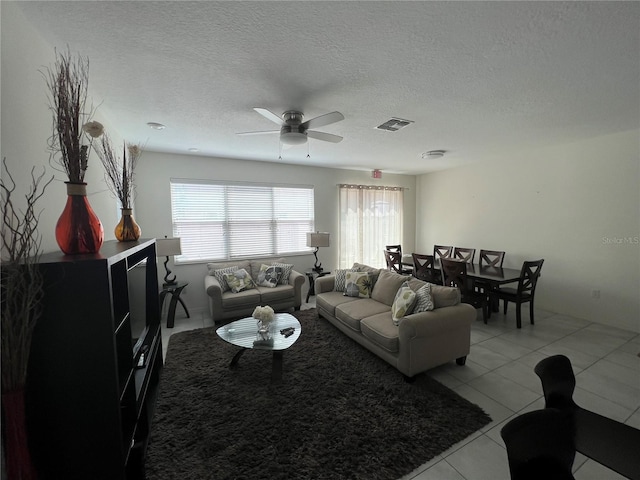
243 333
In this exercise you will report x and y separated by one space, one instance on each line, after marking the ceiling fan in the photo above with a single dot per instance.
293 131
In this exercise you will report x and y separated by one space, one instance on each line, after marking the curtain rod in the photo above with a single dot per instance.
369 187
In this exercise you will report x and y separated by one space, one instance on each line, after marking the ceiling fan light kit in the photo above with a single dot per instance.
293 131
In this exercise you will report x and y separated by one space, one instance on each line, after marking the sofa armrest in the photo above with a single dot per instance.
214 291
325 284
297 279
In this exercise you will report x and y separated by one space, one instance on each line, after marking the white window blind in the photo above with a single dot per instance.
223 221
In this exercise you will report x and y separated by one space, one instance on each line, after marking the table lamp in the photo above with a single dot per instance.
166 247
317 240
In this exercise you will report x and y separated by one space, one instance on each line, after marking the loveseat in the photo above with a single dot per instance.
432 329
256 283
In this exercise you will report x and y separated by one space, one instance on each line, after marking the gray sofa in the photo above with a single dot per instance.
420 341
225 304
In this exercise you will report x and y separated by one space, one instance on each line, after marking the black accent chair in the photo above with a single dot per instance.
454 274
540 445
525 292
423 268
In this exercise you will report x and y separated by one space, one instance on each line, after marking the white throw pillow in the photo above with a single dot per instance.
221 274
424 300
286 271
357 284
269 275
403 303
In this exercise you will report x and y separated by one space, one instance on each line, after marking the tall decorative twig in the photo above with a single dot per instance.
67 82
120 177
22 283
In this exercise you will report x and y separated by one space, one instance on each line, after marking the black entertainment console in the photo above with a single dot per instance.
95 363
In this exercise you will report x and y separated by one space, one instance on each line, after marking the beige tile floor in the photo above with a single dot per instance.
499 377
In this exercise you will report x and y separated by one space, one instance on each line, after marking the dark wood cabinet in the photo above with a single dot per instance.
95 363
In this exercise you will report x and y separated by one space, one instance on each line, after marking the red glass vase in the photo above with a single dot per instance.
79 229
17 456
127 229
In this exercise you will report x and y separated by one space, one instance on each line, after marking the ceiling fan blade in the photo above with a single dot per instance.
258 133
327 137
268 114
323 120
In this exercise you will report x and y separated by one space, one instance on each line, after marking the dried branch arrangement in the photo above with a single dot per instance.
119 177
21 280
67 82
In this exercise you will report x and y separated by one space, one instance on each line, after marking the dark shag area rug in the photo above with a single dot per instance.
339 413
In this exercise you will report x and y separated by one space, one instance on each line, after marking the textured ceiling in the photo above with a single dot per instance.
479 79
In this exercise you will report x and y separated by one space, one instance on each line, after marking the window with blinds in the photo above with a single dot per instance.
224 221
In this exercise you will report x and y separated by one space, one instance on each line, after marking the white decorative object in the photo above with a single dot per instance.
264 316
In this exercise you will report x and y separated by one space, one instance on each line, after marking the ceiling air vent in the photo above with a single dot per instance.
394 124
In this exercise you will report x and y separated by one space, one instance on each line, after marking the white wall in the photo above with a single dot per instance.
577 206
153 202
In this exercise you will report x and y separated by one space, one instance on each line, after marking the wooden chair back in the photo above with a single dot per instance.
442 251
454 274
423 268
529 277
394 248
464 254
491 258
394 261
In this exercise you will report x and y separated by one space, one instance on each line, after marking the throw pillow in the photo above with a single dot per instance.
357 284
403 303
424 301
341 279
286 271
239 280
269 275
221 276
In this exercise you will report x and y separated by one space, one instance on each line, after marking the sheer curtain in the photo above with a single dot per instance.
370 218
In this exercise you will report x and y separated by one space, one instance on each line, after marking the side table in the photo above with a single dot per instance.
175 291
312 275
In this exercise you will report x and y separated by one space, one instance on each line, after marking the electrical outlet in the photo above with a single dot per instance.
595 293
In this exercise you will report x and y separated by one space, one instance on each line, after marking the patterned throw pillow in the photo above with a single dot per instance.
239 280
286 271
269 275
357 284
424 301
341 278
403 303
220 276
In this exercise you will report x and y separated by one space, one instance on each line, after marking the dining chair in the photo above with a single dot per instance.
491 258
394 262
454 274
394 248
465 254
442 251
525 292
423 268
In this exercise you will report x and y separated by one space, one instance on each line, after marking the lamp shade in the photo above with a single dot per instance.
166 247
317 239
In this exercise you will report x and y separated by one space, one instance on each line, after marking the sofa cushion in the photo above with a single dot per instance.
328 301
246 298
403 303
381 331
268 276
351 313
357 284
387 286
276 294
444 296
239 280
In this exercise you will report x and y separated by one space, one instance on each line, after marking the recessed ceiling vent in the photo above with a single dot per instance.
394 124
